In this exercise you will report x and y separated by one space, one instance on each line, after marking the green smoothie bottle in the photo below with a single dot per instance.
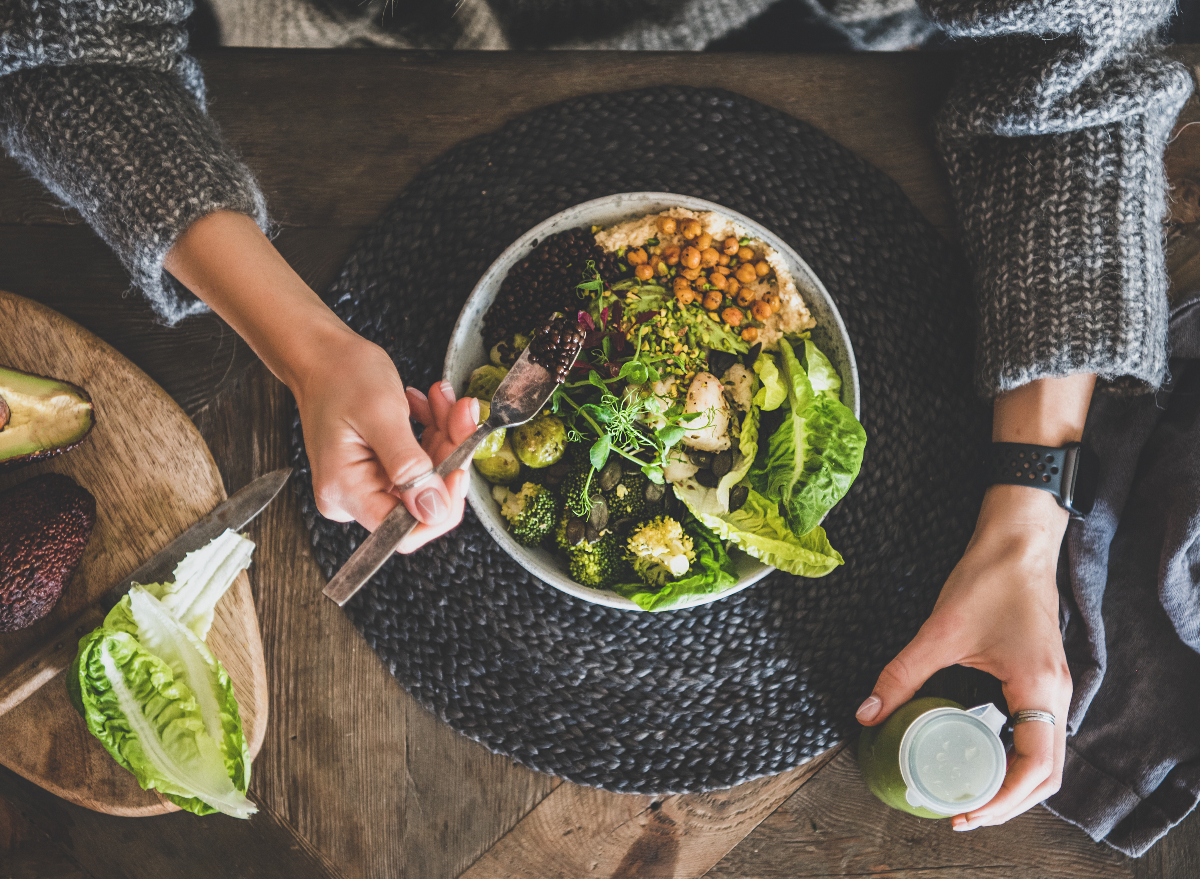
933 758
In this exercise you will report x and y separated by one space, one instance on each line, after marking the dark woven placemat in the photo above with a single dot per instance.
750 685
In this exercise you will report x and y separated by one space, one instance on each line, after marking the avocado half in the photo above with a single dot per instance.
45 523
40 417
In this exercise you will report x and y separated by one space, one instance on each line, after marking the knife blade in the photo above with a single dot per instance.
44 663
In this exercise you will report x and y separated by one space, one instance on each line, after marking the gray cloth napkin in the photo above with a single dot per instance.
1130 588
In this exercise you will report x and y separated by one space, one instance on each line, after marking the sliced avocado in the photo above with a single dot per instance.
45 523
40 417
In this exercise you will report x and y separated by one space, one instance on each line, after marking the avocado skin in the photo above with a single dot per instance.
45 523
13 462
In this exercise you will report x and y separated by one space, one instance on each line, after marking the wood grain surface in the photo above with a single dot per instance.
152 476
357 780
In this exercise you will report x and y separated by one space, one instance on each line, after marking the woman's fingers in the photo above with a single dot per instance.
903 676
1036 762
456 482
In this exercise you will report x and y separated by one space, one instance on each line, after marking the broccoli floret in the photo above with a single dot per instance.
577 479
597 564
530 513
660 551
627 499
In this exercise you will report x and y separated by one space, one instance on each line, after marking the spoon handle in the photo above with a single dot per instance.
382 542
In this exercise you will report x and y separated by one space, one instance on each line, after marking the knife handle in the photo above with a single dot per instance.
382 542
52 658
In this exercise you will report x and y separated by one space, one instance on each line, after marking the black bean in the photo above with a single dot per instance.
654 492
576 530
738 495
621 526
720 361
610 475
703 460
752 355
722 463
707 478
559 470
592 533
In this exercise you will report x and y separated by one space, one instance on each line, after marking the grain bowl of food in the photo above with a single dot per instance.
708 425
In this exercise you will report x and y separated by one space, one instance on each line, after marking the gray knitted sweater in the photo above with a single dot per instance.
1053 138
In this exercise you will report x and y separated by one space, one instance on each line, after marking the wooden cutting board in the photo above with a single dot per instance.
152 477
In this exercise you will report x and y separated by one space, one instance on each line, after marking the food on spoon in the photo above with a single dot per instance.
45 523
698 417
160 703
541 441
40 417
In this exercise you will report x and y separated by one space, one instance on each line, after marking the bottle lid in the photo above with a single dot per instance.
952 760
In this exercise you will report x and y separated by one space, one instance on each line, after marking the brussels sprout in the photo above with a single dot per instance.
484 382
490 446
502 468
506 353
540 442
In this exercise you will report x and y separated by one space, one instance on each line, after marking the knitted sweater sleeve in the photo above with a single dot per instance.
100 103
1053 136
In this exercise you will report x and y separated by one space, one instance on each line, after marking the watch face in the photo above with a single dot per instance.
1085 482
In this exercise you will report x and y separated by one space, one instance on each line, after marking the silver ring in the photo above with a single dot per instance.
1031 715
413 483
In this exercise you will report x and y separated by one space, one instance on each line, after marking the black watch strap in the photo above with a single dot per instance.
1070 473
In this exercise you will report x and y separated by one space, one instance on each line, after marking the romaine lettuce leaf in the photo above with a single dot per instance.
821 374
758 529
748 449
711 572
773 392
150 721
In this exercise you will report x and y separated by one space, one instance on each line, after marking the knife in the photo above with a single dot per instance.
55 655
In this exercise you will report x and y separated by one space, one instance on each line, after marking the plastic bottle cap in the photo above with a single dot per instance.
952 761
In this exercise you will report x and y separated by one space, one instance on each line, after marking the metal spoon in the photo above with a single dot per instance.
520 396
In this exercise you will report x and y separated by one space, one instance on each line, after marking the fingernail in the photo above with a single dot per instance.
869 710
417 393
447 391
431 504
474 410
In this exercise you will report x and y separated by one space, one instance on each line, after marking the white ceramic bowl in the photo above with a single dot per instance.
467 352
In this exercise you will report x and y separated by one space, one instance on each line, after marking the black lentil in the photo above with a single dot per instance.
556 345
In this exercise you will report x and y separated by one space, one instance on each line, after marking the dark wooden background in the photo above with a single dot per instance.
355 779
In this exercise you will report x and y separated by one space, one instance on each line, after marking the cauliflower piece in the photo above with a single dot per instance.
710 432
660 551
739 383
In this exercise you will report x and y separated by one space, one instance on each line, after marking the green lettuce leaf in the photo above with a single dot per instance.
773 392
150 721
710 573
748 449
758 529
821 374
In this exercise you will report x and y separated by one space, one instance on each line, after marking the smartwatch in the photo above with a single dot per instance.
1070 473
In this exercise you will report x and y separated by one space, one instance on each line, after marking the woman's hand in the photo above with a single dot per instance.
998 610
355 415
353 407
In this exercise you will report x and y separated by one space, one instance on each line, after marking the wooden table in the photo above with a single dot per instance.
355 779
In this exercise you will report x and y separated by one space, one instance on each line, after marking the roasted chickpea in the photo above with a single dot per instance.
671 255
643 272
745 297
685 296
750 334
760 310
723 270
690 229
723 259
666 225
681 284
712 300
732 286
690 258
718 280
746 274
732 316
709 257
772 299
703 240
636 257
730 246
761 268
745 254
690 274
